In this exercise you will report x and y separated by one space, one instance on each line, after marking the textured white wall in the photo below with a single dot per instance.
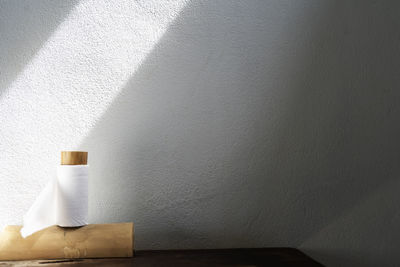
212 123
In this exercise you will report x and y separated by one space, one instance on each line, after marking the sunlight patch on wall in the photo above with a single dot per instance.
67 86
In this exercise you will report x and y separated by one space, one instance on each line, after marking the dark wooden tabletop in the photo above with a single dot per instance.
275 257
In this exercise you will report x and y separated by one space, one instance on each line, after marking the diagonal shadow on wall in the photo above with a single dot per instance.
338 145
25 26
236 132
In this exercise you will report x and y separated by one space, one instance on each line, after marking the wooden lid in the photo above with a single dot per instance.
74 158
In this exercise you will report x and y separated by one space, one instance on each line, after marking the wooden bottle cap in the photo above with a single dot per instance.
74 158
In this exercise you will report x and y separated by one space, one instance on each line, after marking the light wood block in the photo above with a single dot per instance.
90 241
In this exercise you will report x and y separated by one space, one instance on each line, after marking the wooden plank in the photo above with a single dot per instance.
90 241
275 257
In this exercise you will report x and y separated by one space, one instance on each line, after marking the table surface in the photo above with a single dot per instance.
213 257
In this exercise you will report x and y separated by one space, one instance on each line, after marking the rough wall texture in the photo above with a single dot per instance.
212 123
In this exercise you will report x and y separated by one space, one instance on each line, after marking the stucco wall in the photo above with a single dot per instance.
212 123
